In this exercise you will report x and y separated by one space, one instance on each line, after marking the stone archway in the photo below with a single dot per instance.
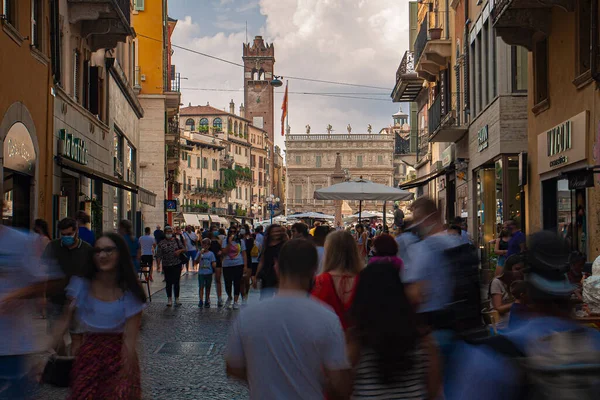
16 123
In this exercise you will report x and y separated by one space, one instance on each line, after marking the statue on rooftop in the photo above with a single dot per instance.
349 128
307 129
370 129
329 129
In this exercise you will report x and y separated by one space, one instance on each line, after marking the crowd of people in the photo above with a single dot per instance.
361 313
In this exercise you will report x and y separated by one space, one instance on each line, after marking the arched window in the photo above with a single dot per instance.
261 75
235 128
254 75
246 131
203 126
189 124
218 124
229 125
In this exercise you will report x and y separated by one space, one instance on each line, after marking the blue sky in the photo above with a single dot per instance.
351 41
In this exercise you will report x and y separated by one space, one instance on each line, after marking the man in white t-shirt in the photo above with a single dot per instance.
148 244
303 356
191 239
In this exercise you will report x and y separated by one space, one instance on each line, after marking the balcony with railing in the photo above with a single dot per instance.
203 209
173 92
445 124
422 145
103 22
522 22
433 46
408 82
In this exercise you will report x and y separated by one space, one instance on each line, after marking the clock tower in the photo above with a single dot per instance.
259 59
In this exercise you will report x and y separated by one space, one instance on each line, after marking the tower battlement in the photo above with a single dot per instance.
258 48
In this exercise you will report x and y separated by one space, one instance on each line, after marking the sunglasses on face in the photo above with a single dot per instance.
109 251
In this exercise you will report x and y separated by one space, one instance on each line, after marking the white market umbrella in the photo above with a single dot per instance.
313 215
368 214
361 190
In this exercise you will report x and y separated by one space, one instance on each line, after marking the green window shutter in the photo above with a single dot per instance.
138 5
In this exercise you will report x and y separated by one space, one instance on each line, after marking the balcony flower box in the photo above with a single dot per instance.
435 33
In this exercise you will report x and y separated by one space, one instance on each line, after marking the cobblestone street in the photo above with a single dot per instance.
181 348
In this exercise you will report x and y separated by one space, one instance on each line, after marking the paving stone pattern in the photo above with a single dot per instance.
181 348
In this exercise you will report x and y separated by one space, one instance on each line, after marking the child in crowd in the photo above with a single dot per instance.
207 264
518 310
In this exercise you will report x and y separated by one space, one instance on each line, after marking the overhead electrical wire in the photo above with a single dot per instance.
325 94
286 77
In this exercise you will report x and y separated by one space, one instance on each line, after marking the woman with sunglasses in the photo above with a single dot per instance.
108 302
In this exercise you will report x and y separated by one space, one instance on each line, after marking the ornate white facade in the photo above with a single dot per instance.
310 161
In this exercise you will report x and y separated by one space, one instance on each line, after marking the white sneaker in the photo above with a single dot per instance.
236 305
228 303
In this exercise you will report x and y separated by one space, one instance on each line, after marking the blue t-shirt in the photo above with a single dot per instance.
476 369
87 235
206 261
426 263
514 244
99 316
233 253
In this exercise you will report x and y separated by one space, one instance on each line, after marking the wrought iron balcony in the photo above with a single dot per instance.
104 22
445 122
408 83
433 46
522 22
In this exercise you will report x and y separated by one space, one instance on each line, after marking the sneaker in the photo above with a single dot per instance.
200 304
177 302
207 304
236 305
220 303
228 302
169 302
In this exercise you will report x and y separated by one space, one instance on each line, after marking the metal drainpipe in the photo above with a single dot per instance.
594 42
447 21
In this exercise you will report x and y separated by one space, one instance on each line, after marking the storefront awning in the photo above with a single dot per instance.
203 218
422 180
191 219
218 220
145 196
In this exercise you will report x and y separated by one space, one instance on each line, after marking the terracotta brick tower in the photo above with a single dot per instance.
259 59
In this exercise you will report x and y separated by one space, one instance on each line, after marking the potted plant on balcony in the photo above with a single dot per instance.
435 33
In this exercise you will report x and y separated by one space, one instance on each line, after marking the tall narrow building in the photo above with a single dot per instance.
259 61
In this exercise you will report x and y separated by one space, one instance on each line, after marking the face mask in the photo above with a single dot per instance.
67 240
169 235
242 231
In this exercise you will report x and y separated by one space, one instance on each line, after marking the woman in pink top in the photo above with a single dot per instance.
342 264
385 249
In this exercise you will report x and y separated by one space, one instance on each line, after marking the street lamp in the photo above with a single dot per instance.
273 203
276 82
256 209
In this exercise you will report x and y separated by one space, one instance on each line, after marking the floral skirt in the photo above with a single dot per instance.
98 371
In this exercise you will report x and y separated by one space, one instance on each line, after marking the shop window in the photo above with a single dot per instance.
519 69
564 211
540 63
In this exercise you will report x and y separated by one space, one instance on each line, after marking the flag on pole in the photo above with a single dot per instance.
284 108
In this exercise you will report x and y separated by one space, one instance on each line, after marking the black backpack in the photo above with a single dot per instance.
464 313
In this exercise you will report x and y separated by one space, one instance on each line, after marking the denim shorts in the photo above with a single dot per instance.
14 382
204 281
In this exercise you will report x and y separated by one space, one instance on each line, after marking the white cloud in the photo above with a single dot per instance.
248 6
340 40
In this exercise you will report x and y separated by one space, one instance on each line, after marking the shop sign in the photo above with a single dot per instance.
170 205
63 207
441 183
581 180
19 153
564 144
448 156
482 138
73 148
